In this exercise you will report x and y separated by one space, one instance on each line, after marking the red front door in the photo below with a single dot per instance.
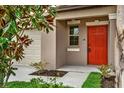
97 45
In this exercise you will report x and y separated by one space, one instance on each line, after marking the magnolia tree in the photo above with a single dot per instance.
14 20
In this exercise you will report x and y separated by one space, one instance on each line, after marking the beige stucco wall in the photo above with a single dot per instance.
99 11
48 53
61 43
78 57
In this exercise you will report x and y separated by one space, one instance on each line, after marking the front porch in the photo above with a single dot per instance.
69 52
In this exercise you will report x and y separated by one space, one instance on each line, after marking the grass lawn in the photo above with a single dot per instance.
93 80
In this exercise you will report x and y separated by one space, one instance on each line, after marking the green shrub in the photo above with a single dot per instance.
35 83
39 65
105 70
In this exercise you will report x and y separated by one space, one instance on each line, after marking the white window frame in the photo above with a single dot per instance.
69 35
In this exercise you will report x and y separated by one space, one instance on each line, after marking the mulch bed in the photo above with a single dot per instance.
54 73
108 82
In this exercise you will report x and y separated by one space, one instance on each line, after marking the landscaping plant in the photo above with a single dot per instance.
35 83
14 20
105 71
40 65
108 79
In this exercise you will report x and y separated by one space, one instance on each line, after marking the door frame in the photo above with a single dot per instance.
100 23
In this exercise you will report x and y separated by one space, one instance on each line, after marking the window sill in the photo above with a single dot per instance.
73 49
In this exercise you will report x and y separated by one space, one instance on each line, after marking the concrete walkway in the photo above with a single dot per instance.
77 74
75 77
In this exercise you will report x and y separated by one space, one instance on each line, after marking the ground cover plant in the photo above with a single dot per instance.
35 83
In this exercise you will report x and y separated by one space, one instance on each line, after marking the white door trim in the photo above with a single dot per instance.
113 16
96 22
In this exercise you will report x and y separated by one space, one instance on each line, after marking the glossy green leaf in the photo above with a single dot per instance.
18 13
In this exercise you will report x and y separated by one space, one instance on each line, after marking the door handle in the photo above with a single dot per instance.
89 49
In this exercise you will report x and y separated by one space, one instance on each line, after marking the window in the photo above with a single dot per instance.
74 35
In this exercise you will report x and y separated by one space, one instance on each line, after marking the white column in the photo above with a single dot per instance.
111 39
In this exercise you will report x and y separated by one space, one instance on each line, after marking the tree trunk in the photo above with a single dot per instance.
117 59
119 44
2 77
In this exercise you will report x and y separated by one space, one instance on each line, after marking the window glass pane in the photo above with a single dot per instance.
74 30
72 43
71 31
74 40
